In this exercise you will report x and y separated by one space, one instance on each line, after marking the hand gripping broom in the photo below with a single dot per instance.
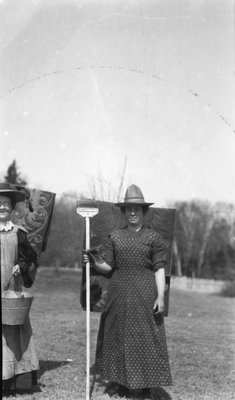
87 209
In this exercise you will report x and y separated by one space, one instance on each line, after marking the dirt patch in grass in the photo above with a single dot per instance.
200 331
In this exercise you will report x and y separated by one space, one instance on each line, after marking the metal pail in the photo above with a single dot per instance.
16 309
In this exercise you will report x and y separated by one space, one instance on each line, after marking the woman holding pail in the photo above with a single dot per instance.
18 266
131 348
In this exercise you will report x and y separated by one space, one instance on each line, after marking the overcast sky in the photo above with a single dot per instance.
86 84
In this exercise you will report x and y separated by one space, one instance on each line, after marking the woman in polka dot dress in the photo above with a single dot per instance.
131 348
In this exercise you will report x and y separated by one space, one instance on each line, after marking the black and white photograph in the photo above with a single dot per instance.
117 199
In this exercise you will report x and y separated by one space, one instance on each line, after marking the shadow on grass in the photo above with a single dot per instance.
49 365
24 389
23 384
20 392
161 394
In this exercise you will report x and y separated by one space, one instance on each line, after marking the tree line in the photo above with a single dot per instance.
204 240
204 236
203 247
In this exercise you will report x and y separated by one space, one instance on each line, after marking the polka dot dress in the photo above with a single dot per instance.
131 346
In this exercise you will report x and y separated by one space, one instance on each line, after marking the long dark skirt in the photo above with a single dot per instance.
131 346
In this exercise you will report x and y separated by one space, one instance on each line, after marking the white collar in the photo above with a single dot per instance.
6 226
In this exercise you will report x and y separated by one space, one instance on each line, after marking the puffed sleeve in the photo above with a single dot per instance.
27 258
159 252
109 256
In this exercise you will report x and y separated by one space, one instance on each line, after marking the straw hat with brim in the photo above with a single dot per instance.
7 189
133 196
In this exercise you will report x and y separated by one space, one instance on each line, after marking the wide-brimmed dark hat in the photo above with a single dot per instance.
133 196
8 189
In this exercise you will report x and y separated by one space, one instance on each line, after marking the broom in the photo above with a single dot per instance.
87 209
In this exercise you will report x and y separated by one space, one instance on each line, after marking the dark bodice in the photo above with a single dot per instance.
145 248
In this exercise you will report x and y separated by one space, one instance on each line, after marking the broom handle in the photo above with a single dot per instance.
87 312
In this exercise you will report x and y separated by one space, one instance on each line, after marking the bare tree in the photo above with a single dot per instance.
122 177
201 231
177 258
103 189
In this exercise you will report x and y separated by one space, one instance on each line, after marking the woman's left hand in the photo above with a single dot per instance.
16 270
159 304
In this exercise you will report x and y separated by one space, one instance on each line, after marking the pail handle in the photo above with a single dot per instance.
21 283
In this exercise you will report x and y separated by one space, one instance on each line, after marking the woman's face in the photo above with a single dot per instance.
134 215
5 208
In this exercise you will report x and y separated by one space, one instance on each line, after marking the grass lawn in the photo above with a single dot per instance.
200 332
